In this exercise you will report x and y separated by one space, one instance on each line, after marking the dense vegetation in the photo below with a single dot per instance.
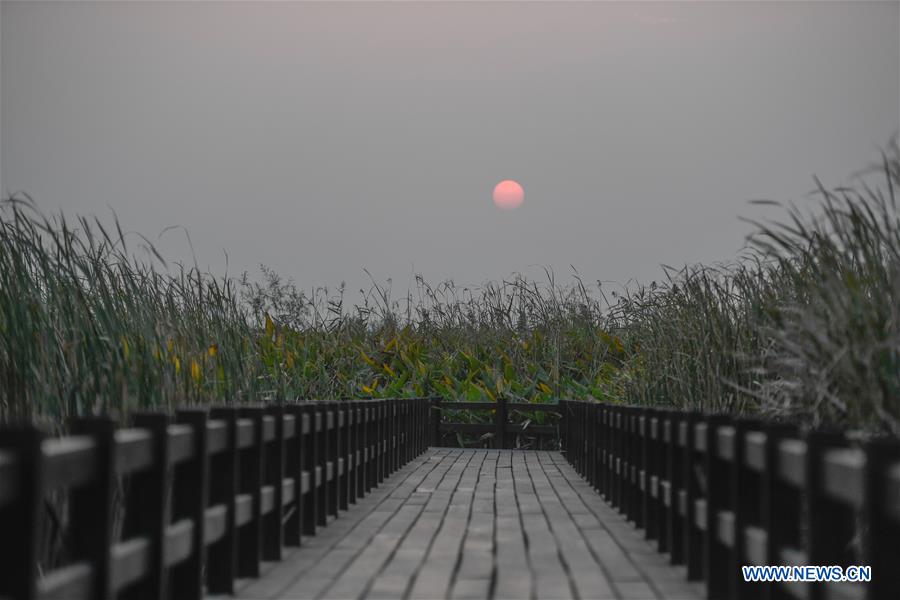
804 325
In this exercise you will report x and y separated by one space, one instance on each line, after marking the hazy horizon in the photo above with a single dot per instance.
322 139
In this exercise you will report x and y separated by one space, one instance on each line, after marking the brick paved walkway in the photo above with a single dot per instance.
476 524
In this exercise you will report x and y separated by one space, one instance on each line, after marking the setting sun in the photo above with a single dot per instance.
508 195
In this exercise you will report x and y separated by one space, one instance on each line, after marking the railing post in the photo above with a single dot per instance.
586 444
387 431
650 477
622 458
91 507
594 444
345 422
406 430
372 445
416 428
664 485
605 455
353 451
321 473
500 422
145 512
272 525
636 466
361 449
381 409
191 487
411 435
590 437
250 481
332 451
398 433
421 425
882 530
366 447
393 436
641 469
675 474
616 456
716 557
574 434
829 533
745 505
401 430
780 509
309 453
582 438
19 517
631 450
221 557
693 538
293 467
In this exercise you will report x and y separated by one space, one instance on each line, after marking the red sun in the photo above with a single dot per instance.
508 195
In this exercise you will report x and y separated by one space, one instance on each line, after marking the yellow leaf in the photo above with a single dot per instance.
270 326
544 388
366 358
124 347
290 360
389 370
391 344
213 350
177 364
170 346
488 392
195 371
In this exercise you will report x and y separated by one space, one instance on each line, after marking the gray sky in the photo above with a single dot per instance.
320 139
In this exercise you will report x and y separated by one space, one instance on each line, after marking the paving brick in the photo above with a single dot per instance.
474 524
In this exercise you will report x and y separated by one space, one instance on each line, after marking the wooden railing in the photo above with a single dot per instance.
717 493
201 499
500 432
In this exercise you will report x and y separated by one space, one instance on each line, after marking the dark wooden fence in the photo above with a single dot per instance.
500 432
717 493
199 500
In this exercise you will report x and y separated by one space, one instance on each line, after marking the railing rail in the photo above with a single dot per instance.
208 494
501 432
718 492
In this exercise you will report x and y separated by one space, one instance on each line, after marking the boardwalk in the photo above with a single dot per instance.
476 524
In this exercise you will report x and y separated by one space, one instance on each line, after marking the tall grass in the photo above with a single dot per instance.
804 325
86 326
91 324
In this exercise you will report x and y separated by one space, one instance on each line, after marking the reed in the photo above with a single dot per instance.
803 325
